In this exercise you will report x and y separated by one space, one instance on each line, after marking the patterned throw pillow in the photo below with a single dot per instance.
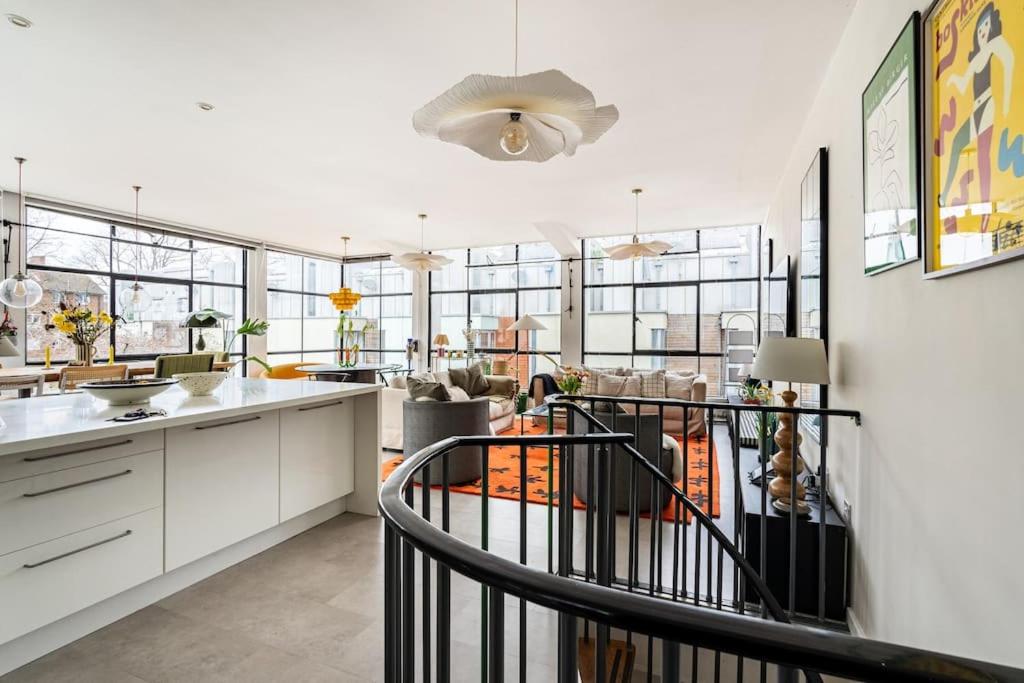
589 387
652 384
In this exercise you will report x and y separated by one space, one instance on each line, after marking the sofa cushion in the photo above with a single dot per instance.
457 393
470 379
445 378
420 390
398 382
632 386
501 385
678 386
652 384
610 385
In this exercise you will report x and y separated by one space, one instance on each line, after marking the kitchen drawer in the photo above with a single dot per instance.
61 457
221 483
47 506
317 455
46 582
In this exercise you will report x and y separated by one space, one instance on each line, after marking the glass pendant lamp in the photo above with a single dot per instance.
20 291
135 299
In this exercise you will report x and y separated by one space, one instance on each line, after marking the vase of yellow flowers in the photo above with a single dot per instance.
83 327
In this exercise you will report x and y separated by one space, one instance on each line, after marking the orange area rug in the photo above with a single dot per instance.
702 481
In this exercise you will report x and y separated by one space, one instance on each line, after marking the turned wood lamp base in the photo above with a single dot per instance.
786 466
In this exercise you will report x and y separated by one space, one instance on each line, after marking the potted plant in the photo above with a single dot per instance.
208 317
8 328
83 327
252 327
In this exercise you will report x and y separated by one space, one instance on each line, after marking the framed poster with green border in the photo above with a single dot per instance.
891 147
974 135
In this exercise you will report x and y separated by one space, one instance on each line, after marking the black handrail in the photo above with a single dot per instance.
685 403
773 606
787 645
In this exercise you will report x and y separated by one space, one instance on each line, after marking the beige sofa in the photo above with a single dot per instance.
673 414
501 396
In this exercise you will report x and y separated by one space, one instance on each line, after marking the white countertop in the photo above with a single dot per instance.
60 419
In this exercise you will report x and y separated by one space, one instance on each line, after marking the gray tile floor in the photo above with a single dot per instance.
311 609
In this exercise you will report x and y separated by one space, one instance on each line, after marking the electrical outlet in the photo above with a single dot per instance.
847 508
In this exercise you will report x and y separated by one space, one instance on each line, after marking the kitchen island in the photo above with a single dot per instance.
100 518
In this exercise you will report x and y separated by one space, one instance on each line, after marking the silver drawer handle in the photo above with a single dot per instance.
233 422
33 565
322 405
80 450
77 484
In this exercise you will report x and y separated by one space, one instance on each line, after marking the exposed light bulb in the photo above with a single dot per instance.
19 288
514 137
136 296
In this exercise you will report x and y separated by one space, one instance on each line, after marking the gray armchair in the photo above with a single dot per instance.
649 443
427 422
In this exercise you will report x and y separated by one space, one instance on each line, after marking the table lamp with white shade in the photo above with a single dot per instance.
526 323
789 359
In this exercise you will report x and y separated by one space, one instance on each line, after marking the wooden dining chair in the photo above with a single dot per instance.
73 375
23 384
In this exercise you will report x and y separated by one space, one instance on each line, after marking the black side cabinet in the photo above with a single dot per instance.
807 545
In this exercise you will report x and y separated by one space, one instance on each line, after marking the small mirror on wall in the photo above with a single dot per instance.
813 266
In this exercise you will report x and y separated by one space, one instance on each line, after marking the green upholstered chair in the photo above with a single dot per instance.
186 362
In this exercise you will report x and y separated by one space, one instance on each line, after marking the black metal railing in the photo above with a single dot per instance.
780 573
463 580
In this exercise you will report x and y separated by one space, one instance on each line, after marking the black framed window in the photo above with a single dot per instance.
303 321
487 289
85 261
382 320
673 311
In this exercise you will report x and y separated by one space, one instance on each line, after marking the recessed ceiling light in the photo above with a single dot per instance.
19 21
205 106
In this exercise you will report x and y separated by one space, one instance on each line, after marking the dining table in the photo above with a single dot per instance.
365 373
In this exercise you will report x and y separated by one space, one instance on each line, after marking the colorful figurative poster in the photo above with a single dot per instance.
891 148
975 150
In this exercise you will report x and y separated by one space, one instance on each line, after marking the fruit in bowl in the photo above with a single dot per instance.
200 383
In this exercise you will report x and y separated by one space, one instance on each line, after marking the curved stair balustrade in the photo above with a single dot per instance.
587 614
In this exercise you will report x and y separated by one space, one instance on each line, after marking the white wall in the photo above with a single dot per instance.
935 474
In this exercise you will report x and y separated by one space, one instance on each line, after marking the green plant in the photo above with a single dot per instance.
253 327
571 380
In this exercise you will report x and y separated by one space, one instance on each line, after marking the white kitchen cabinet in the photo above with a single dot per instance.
317 455
221 484
46 582
40 508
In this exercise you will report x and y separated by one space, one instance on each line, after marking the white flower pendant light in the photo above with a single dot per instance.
420 261
637 249
516 118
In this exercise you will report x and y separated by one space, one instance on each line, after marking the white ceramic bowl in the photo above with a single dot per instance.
200 383
125 392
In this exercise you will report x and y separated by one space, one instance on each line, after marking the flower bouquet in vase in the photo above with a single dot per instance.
571 380
83 327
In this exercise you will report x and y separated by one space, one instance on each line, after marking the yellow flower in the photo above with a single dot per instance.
58 318
105 318
83 312
66 327
93 318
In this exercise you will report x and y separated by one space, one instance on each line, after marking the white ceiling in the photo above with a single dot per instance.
312 137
